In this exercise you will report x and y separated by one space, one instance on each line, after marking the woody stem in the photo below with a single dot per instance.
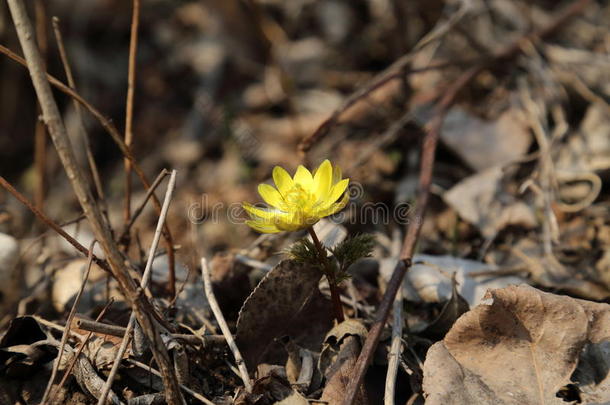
330 276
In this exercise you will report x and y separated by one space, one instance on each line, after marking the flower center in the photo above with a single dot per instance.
298 198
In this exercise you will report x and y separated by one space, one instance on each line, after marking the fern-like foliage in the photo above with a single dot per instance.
350 250
304 251
343 255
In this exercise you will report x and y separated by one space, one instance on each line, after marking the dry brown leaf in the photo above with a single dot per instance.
286 302
67 282
521 348
429 279
23 349
452 310
592 375
230 282
549 272
483 144
481 200
271 389
338 358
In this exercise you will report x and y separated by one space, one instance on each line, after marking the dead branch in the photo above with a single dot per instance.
396 345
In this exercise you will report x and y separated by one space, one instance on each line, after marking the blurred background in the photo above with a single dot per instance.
226 90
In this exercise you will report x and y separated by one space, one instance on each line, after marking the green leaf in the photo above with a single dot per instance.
304 252
353 249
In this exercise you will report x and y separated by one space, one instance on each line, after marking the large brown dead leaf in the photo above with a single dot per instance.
521 348
286 302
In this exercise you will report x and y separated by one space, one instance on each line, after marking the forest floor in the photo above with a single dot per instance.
476 139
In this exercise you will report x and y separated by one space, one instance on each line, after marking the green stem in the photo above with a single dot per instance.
330 276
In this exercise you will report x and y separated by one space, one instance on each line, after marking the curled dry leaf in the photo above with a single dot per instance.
25 348
452 310
272 389
338 358
329 233
429 279
521 348
286 302
299 366
67 282
481 199
592 375
87 377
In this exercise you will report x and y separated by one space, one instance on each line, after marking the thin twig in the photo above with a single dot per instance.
209 293
51 224
140 208
425 179
131 78
40 134
396 345
394 354
143 284
95 174
416 221
56 327
119 331
183 387
64 336
83 344
100 227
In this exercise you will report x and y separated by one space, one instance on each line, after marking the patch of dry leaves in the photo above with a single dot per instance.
521 346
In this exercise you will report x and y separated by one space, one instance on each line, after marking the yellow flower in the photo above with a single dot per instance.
298 202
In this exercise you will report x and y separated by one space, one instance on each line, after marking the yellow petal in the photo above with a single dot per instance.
262 227
337 190
282 180
298 220
334 207
271 195
256 212
303 177
322 180
336 174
